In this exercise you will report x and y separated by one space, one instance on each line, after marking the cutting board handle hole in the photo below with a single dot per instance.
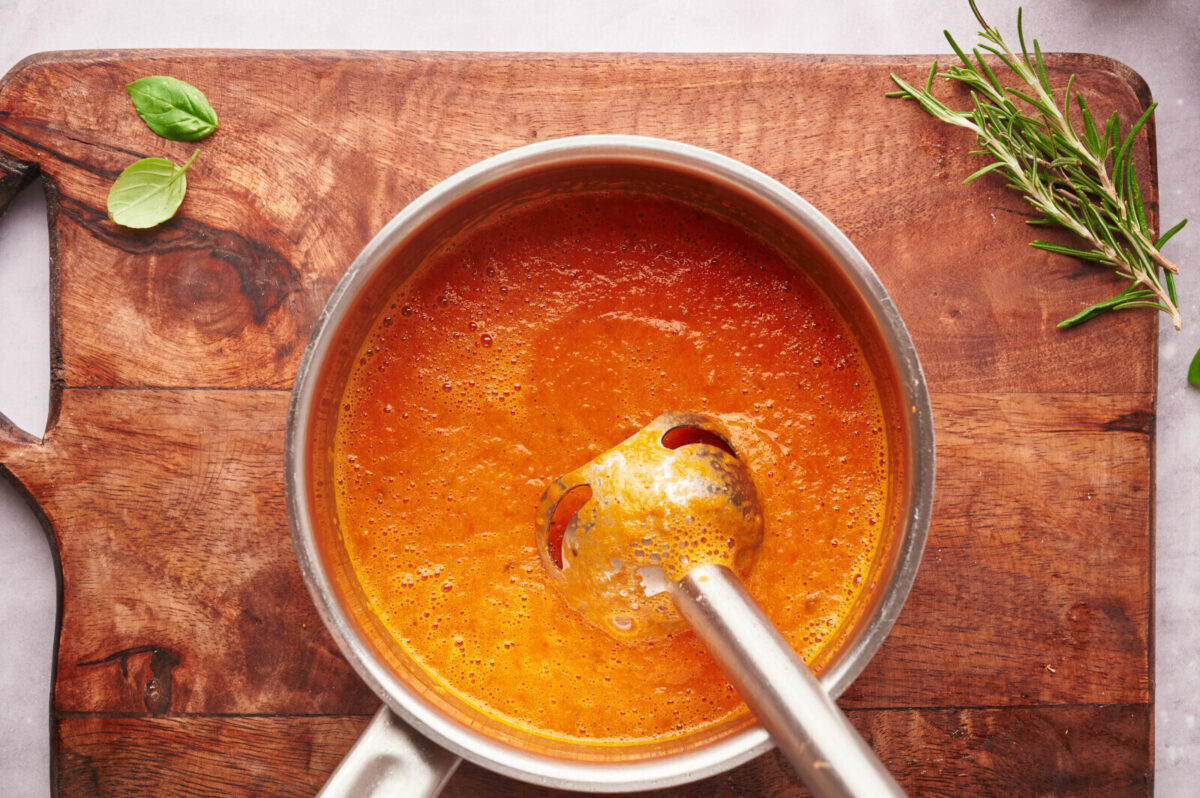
25 310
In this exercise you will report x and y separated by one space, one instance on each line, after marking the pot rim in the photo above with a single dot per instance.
470 743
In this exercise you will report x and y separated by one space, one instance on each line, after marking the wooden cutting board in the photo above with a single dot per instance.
190 660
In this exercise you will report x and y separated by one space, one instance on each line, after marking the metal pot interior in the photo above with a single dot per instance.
694 176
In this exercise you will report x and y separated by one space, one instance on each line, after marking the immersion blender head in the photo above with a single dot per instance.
673 496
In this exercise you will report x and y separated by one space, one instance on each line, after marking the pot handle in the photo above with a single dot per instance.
391 759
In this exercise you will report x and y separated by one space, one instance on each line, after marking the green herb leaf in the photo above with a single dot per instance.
148 192
985 170
1127 298
1076 173
173 109
1194 369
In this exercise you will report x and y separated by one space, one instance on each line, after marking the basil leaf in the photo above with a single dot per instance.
148 192
1194 369
173 109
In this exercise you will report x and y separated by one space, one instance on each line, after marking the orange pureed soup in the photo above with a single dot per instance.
536 340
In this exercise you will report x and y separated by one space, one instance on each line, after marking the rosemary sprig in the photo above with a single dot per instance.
1082 180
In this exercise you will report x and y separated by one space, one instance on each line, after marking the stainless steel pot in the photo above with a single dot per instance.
402 750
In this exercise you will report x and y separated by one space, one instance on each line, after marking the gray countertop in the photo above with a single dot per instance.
1160 39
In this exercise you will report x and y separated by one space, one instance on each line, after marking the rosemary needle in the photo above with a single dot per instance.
1082 180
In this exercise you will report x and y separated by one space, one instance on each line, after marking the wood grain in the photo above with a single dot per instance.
190 660
1018 751
1033 585
1020 600
275 209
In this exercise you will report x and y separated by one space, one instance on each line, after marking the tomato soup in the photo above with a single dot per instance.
541 337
